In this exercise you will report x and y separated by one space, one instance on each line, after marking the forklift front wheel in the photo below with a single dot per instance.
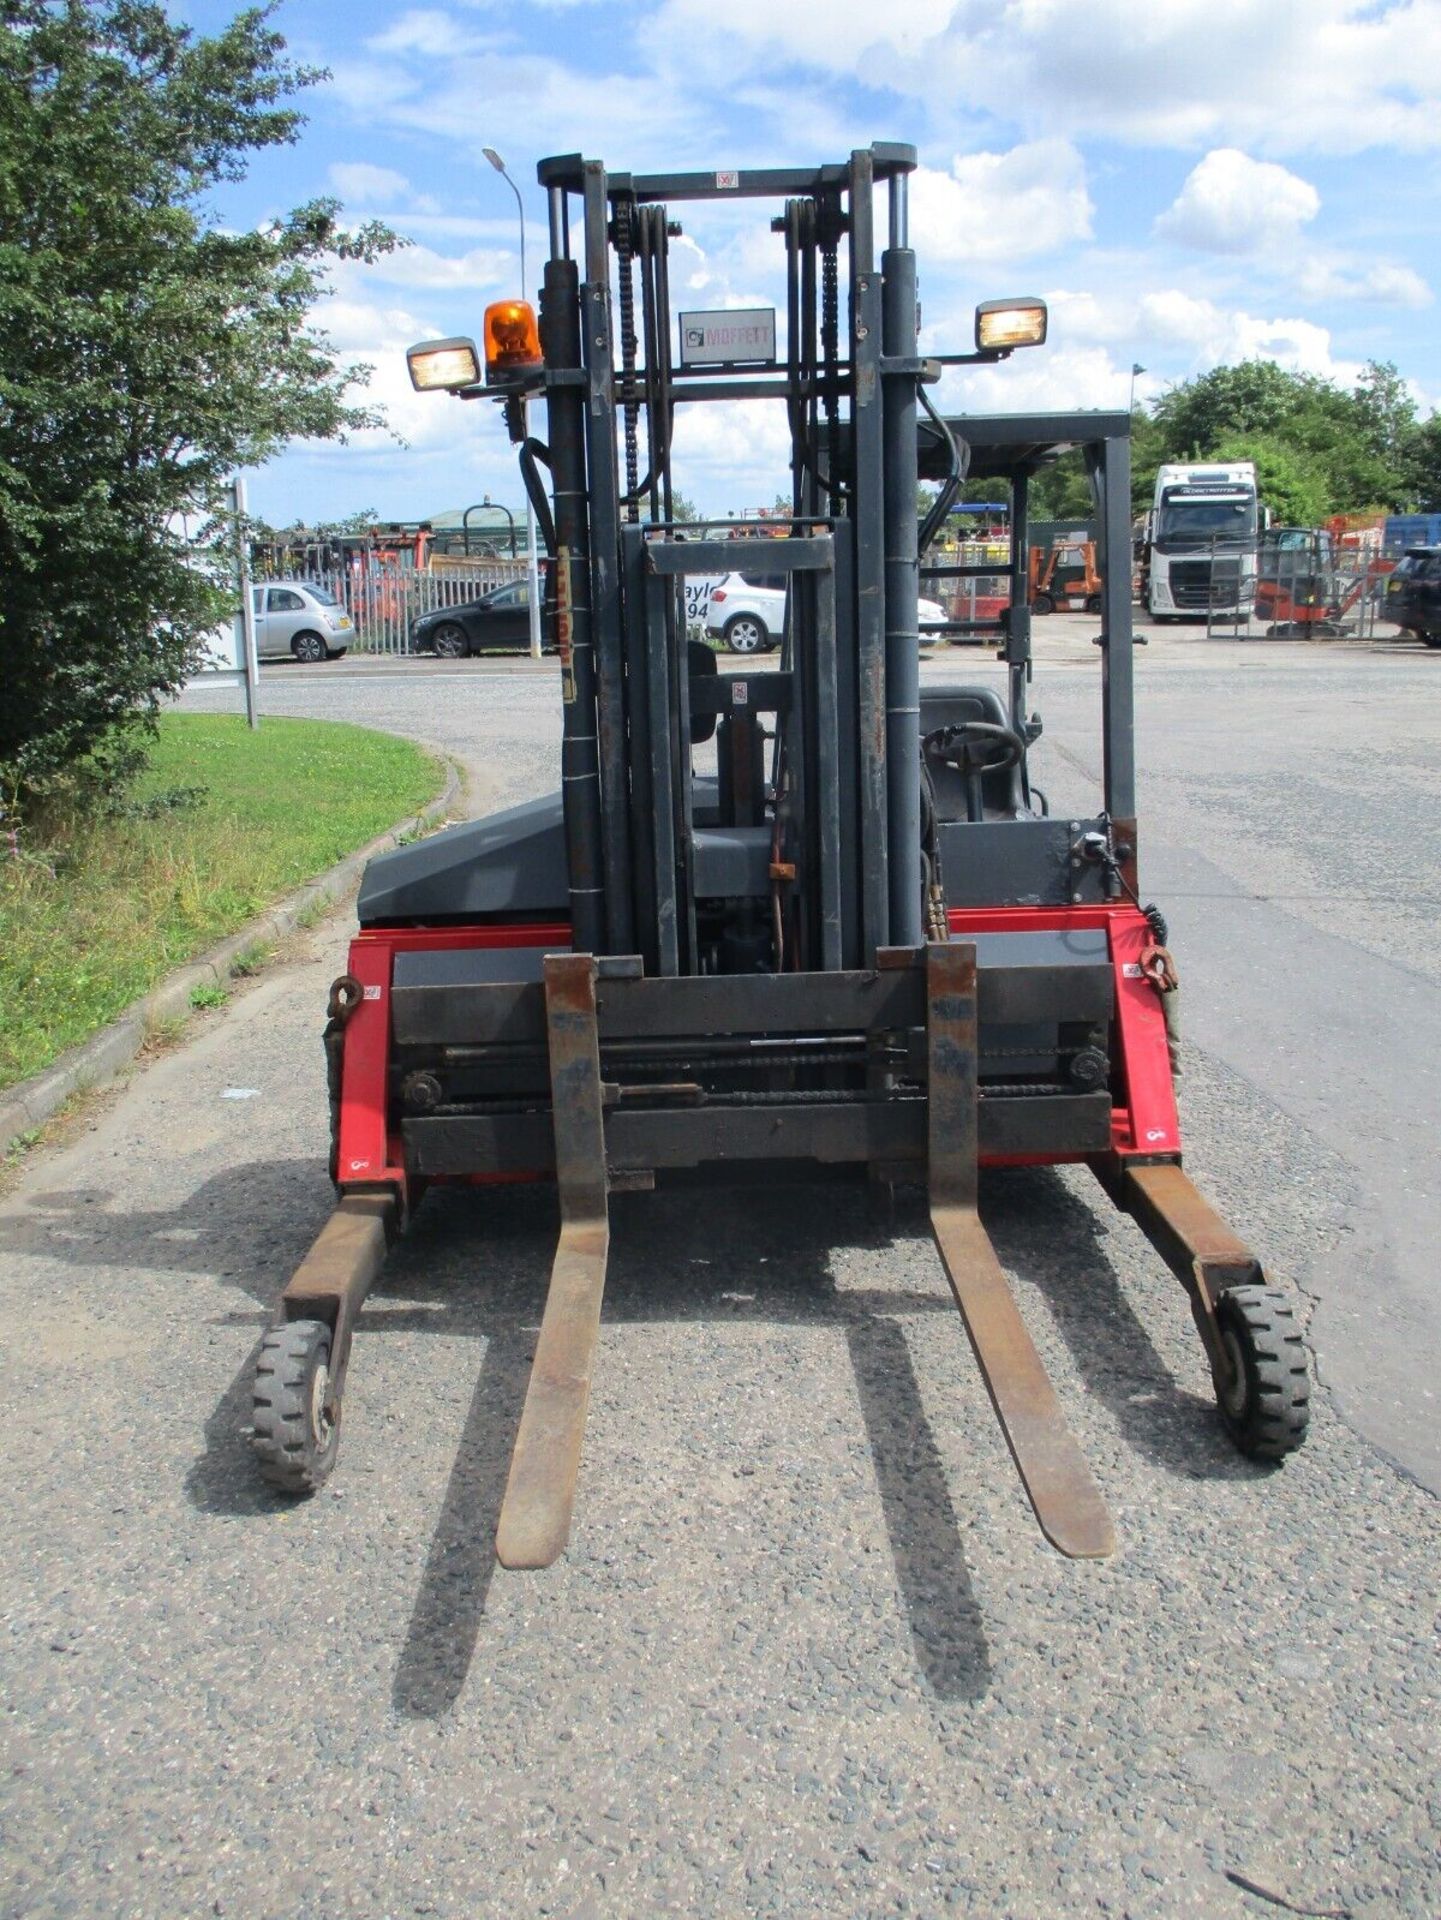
1267 1403
296 1418
1042 603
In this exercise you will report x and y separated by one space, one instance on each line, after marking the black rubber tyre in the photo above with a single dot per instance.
1432 639
1267 1410
1043 603
296 1425
309 648
451 641
1093 603
747 633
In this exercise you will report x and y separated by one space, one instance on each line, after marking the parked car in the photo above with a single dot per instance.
1413 594
747 613
300 620
500 618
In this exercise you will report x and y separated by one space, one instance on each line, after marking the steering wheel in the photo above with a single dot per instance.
976 746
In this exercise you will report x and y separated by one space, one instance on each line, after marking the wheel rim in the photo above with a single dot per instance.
449 642
322 1426
309 649
746 637
1234 1393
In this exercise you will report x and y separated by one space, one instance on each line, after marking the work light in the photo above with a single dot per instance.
443 366
1017 322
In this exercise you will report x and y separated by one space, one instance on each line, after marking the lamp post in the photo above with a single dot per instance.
1135 369
532 568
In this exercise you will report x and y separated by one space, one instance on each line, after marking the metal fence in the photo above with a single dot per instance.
1305 595
384 597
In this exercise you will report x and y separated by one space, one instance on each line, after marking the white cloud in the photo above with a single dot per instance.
1169 327
360 184
1322 277
852 33
533 103
1040 382
423 30
1213 335
737 455
1273 76
1001 206
484 267
1231 203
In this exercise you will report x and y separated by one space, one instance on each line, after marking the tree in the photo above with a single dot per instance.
1338 452
1384 403
1289 482
1423 466
1061 491
145 353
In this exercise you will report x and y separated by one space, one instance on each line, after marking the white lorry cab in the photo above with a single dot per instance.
1202 542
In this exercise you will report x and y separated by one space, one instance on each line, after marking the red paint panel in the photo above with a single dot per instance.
368 1151
1147 1122
1150 1123
364 1157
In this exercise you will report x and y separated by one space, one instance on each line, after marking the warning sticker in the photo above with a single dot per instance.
563 624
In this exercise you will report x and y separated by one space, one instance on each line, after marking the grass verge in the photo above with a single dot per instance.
94 911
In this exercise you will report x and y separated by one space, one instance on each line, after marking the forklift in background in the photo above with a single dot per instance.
1065 575
812 916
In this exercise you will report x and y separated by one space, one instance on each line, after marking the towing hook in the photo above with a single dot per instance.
346 994
1159 968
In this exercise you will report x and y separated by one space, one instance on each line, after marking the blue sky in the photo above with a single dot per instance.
1188 182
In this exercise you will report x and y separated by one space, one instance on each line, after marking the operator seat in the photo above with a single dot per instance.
995 792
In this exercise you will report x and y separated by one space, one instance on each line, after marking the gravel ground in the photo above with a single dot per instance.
807 1653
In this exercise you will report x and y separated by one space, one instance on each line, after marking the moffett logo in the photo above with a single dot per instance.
728 336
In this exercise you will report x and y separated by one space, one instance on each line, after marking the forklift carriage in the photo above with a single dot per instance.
813 914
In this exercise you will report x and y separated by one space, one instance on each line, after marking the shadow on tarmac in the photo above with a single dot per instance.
486 1256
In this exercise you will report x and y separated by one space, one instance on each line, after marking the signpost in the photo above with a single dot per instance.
250 663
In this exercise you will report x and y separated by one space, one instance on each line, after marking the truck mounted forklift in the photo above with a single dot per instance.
812 915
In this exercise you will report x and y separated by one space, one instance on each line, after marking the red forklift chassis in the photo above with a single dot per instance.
817 915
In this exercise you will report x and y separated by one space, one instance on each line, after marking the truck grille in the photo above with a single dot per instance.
1191 584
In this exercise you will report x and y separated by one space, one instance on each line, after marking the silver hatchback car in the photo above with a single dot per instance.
300 620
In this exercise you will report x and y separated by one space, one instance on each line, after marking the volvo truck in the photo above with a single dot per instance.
1201 545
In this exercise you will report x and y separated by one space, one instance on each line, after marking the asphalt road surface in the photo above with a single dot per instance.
807 1654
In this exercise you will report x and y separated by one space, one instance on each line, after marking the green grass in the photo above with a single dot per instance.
94 911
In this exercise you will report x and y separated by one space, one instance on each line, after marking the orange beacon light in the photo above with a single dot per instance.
512 339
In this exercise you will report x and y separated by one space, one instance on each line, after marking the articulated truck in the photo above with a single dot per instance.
1201 540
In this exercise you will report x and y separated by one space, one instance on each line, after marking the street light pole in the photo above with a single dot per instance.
532 566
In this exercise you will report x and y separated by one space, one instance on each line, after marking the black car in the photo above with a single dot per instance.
500 618
1413 594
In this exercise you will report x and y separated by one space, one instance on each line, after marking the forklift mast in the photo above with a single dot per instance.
642 854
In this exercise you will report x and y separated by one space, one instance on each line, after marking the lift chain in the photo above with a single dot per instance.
625 255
